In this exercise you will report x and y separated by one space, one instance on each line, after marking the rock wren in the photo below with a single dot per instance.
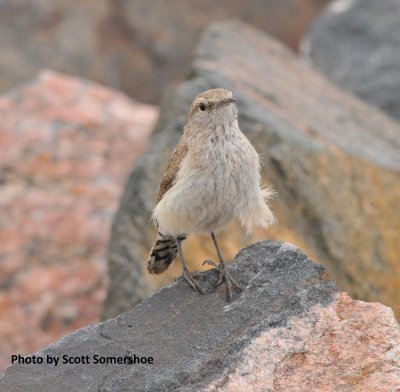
213 176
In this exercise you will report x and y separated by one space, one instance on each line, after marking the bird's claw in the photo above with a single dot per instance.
224 275
191 281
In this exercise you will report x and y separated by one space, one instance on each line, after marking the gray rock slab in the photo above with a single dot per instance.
356 44
193 338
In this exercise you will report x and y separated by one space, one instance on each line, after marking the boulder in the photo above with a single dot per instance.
333 159
356 44
289 329
66 148
137 46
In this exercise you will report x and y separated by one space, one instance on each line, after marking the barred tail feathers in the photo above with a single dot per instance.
162 254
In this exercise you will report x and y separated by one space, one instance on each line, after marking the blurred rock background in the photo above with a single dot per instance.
137 46
67 144
356 44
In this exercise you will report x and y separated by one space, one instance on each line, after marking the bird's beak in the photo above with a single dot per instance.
227 100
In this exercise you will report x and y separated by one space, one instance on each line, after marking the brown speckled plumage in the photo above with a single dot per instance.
172 168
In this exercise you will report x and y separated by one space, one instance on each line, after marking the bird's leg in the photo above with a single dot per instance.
223 273
185 272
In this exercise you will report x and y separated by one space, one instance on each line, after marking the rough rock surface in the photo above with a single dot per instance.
333 159
288 330
137 46
66 148
356 44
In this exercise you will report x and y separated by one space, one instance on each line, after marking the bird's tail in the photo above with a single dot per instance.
163 253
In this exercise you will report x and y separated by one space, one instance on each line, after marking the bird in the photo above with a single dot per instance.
212 177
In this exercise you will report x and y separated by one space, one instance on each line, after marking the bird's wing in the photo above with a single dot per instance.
172 168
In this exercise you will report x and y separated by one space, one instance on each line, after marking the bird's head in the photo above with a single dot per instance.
214 107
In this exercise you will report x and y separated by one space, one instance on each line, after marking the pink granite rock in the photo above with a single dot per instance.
66 147
348 346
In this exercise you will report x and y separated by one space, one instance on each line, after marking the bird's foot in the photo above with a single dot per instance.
224 275
191 281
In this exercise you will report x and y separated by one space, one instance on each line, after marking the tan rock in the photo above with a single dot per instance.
66 148
333 159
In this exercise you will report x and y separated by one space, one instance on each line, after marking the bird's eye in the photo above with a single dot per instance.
202 106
